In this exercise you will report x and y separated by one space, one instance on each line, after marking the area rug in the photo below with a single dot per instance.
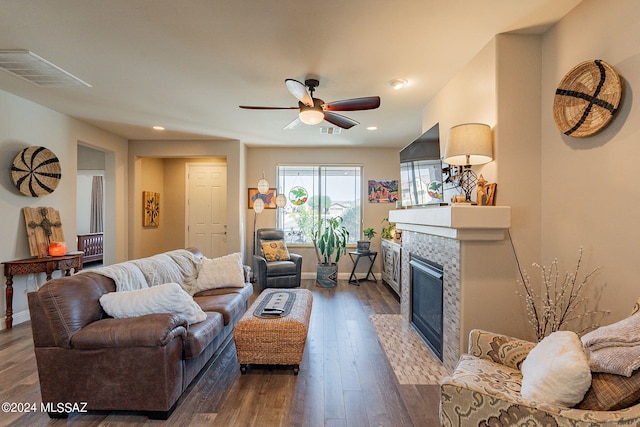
409 356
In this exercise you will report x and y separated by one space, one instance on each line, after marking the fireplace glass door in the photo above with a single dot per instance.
426 301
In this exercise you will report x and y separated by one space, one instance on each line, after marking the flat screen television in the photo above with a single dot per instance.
421 170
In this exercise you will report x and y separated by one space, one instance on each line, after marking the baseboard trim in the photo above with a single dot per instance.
20 317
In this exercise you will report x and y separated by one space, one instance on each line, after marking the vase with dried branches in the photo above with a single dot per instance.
562 301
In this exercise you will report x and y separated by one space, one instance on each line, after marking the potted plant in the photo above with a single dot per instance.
365 245
388 231
330 240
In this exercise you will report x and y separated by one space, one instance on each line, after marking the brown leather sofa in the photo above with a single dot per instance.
145 363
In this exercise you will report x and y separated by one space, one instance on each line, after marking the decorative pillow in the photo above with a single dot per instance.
274 250
615 348
609 392
556 371
166 298
223 272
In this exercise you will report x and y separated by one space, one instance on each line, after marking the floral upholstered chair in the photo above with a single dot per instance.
484 390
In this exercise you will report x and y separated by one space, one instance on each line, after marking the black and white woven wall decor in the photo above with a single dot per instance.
36 171
587 98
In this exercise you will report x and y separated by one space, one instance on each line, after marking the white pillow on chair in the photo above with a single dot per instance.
556 371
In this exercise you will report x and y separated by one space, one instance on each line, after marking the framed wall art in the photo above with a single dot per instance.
382 191
269 198
150 209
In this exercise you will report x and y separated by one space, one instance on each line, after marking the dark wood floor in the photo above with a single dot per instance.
345 378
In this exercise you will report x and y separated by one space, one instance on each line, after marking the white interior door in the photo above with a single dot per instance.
207 208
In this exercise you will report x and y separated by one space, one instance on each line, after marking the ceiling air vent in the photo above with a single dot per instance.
330 130
32 68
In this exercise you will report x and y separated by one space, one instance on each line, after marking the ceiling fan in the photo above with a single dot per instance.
314 110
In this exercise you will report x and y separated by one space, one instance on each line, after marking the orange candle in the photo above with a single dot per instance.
57 248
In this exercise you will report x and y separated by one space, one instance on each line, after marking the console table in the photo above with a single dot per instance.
72 260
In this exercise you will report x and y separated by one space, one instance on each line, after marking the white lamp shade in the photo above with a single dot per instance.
281 200
469 144
263 186
258 205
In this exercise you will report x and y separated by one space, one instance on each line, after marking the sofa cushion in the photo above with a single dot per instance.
610 392
222 272
150 330
274 250
556 371
245 291
281 268
229 305
201 334
166 298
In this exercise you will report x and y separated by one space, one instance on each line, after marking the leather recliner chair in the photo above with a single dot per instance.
275 274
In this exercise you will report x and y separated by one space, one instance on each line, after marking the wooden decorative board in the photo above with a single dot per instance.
43 227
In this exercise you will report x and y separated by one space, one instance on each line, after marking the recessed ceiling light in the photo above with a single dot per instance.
372 128
398 83
158 128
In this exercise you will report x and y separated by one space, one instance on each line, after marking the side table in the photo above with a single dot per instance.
355 258
72 260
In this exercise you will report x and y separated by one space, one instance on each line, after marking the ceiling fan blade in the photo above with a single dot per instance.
253 107
355 104
294 124
339 120
299 90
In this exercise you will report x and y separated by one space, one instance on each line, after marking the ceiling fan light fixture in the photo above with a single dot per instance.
311 115
398 83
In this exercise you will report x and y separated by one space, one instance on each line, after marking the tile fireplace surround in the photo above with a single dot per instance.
469 242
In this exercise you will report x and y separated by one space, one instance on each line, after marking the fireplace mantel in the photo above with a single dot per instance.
460 221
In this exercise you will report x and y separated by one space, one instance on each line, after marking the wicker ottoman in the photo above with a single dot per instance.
274 340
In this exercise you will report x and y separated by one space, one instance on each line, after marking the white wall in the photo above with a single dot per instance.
590 194
23 124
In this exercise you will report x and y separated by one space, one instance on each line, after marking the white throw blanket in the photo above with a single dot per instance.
178 266
126 275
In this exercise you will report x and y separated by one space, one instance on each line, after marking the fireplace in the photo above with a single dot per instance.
426 301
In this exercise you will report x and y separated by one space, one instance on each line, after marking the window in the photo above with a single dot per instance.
315 192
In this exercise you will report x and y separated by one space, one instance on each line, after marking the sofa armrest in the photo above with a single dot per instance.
151 330
503 349
259 269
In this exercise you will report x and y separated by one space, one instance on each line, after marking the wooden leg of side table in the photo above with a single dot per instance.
9 300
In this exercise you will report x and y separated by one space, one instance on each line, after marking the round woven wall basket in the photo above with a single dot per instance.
36 171
587 98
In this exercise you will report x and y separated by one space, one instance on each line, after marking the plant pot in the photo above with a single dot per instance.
363 246
327 275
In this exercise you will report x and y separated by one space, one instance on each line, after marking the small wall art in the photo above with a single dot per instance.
150 209
269 198
383 191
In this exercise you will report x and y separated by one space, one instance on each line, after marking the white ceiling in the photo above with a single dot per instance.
188 64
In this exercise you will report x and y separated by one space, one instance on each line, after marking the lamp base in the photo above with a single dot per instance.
467 183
